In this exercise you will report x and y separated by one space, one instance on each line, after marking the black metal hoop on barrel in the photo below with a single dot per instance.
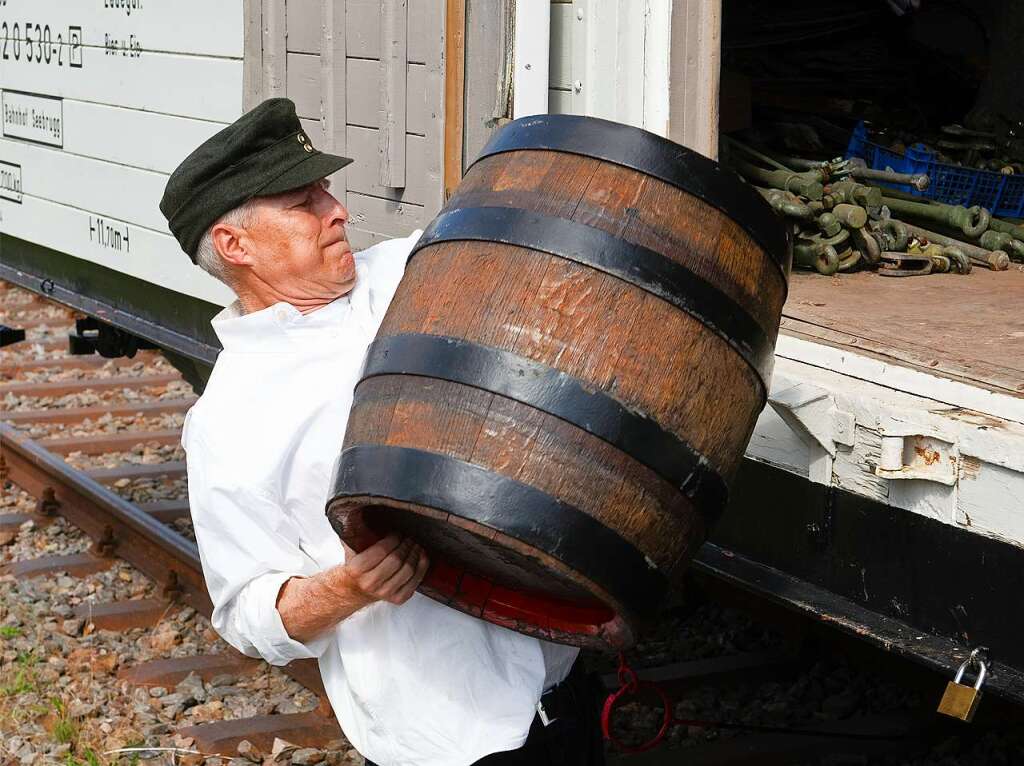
649 153
640 266
556 393
508 506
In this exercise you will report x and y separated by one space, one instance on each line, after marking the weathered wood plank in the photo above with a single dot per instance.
334 85
275 55
363 30
486 86
132 471
72 415
88 129
531 59
454 94
304 84
694 70
304 26
252 64
129 82
107 189
429 20
196 27
385 218
363 96
110 442
111 243
363 176
314 131
394 67
62 387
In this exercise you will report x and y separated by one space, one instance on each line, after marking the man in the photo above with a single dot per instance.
412 682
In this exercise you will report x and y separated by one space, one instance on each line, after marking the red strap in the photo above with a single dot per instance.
630 685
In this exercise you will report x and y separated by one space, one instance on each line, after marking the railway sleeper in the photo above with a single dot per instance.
124 615
302 729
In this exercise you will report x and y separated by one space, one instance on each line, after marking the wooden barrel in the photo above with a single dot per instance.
567 377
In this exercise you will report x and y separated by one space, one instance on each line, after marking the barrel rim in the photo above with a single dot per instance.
657 156
512 507
632 263
559 394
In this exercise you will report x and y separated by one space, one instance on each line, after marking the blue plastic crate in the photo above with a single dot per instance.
1001 194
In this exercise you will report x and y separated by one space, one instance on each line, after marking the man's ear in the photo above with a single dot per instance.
228 242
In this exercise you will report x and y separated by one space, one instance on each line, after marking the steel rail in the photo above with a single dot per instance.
728 574
138 536
167 557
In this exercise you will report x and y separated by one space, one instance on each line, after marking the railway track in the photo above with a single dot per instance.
93 443
88 465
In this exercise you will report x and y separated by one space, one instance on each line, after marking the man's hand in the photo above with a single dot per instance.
389 570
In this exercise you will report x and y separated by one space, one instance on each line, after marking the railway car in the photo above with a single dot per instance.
883 489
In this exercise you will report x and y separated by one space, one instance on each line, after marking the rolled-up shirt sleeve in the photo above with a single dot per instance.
249 549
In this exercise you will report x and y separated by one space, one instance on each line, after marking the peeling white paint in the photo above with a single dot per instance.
977 482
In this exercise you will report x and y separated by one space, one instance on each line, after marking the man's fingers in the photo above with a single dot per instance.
404 593
374 580
372 556
401 573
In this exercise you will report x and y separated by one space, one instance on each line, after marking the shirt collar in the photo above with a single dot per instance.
281 326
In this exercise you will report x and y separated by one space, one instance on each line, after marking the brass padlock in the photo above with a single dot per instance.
961 701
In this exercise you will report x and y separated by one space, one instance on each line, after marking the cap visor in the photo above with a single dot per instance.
316 166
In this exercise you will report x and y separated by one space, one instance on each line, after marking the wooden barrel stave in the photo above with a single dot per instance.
574 316
638 208
532 447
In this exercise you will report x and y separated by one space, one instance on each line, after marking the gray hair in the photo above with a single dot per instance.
207 257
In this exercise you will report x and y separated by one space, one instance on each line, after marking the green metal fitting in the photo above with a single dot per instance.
858 169
812 255
995 240
805 184
1016 250
891 235
787 204
998 224
854 193
997 260
971 221
851 216
829 224
849 259
959 262
868 245
940 261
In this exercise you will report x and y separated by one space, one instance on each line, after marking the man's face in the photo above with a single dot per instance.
298 245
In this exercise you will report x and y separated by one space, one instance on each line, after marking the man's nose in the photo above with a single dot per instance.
336 212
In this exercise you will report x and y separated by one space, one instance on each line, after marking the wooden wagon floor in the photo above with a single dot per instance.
968 328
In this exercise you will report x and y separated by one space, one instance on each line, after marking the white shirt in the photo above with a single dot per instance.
414 685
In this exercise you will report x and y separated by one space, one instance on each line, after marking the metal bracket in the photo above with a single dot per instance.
92 336
811 411
172 589
105 546
47 504
915 456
